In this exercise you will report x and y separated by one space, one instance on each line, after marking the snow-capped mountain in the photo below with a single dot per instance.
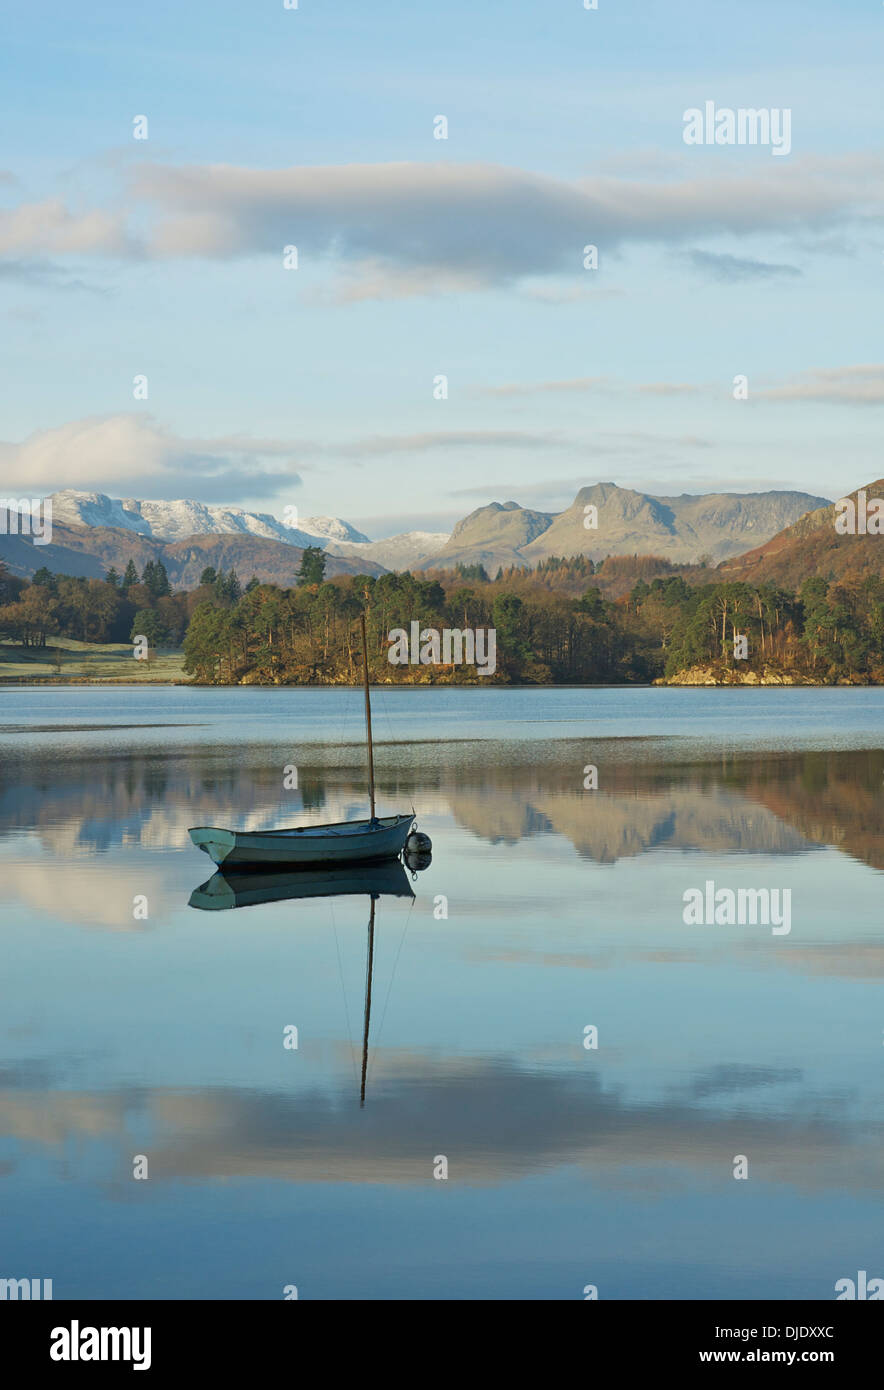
175 521
396 552
95 509
332 528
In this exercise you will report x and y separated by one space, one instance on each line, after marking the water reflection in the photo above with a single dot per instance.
453 1005
499 1119
764 804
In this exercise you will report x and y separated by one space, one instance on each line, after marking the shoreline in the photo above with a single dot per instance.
741 683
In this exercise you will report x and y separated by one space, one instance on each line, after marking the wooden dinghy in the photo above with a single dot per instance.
342 842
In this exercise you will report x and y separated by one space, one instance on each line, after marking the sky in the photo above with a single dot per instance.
317 386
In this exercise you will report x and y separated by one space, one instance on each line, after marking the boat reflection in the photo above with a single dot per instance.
250 888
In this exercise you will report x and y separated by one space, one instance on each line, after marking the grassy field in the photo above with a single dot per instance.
70 661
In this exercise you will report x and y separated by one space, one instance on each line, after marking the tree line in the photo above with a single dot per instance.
826 632
117 608
552 624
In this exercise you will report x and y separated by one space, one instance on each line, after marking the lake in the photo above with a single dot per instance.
567 1084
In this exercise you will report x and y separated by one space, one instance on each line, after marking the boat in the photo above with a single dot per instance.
232 888
340 842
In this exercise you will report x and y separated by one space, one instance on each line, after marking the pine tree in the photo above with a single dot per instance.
312 569
147 623
161 588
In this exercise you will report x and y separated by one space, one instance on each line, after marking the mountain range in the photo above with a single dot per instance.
175 521
680 529
765 533
90 551
624 522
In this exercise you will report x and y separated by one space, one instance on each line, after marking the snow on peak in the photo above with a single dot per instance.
332 528
396 552
96 509
175 521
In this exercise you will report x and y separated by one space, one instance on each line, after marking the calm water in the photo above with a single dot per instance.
567 1166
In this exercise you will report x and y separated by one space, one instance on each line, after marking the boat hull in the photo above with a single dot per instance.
344 842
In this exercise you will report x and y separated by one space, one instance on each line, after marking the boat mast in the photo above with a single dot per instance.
368 970
368 719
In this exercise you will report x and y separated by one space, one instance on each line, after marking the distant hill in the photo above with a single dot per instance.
92 550
679 529
812 548
492 536
409 550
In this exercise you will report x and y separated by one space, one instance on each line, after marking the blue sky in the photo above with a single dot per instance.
417 257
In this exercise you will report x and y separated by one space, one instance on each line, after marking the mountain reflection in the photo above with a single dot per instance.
773 804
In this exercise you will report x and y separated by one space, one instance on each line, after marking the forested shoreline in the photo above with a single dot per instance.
565 622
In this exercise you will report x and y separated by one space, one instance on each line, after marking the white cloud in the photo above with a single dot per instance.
481 224
49 228
132 453
603 385
405 229
455 439
855 385
733 269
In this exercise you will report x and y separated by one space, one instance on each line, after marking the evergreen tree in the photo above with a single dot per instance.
130 576
161 587
8 586
472 572
312 569
148 623
45 579
227 587
593 604
639 593
507 613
